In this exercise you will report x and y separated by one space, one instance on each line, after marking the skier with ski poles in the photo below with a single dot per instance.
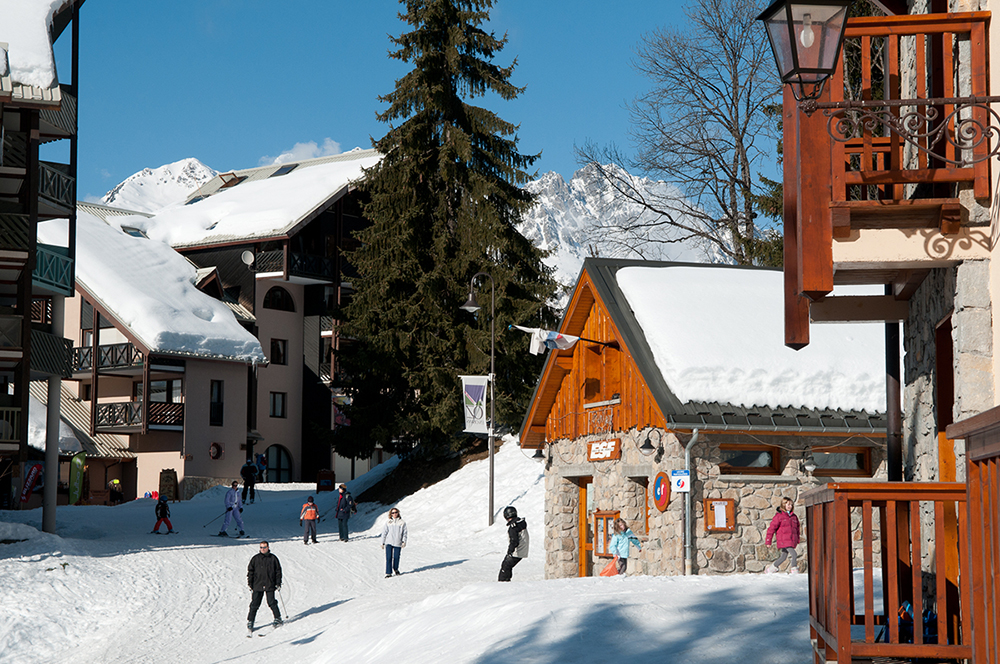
263 577
233 510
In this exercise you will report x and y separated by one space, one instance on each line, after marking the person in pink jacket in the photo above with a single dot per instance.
784 529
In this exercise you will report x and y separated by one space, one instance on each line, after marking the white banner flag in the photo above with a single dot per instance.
474 403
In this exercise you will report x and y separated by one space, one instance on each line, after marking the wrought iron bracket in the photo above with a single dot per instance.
971 133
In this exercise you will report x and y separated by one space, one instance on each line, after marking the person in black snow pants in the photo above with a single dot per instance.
517 548
264 577
162 515
249 474
345 508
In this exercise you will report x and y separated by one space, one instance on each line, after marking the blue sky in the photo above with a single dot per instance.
236 82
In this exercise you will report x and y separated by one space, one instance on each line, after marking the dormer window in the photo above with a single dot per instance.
134 232
231 180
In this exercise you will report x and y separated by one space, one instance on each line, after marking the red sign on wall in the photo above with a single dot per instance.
604 450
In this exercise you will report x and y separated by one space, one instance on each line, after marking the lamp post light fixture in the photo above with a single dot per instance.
806 38
472 306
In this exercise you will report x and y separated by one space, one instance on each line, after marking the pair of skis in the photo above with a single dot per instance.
273 626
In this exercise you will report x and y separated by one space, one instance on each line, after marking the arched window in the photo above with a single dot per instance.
279 464
280 299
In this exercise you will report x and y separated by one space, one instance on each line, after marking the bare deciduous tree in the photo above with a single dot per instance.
703 128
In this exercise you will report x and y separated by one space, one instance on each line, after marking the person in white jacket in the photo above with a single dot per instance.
393 541
234 506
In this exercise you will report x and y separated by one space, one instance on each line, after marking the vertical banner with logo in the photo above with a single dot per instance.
474 403
76 467
30 480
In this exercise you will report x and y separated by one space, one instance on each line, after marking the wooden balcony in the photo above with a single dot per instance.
53 270
55 190
123 357
863 205
126 416
855 529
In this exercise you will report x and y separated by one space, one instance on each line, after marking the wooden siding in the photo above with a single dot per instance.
597 373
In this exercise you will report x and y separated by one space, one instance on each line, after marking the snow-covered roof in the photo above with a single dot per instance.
26 28
262 204
150 289
716 334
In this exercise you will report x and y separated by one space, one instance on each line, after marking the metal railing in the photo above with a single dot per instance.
304 265
852 526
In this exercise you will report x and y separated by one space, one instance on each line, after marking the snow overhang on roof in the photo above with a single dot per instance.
258 204
26 30
716 335
149 289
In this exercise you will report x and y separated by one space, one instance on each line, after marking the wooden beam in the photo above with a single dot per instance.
857 308
950 218
907 283
815 191
796 305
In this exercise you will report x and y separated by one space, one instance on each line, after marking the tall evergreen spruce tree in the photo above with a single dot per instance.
444 204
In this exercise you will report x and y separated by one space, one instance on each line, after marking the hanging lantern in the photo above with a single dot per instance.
806 38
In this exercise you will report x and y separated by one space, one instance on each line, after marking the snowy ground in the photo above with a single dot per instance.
105 590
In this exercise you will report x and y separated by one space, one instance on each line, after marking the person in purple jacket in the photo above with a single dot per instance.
784 529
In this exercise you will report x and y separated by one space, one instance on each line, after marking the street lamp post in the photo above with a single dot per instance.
473 306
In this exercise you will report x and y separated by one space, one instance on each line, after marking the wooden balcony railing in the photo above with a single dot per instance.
128 414
110 356
119 415
854 526
53 269
166 414
10 425
55 186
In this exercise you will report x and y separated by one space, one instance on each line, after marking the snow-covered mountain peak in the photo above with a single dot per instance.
153 189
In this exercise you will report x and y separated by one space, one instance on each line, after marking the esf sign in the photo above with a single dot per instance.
602 450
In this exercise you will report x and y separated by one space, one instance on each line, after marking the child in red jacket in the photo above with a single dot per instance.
784 529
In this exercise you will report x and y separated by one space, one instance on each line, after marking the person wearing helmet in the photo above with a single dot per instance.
233 509
115 492
309 516
162 515
517 547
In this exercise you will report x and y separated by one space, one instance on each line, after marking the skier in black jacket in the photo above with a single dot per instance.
249 474
264 576
517 533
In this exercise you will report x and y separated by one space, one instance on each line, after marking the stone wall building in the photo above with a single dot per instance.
614 413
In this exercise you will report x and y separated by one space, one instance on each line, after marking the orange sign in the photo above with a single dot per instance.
604 450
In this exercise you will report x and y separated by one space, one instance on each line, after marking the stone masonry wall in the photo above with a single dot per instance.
626 485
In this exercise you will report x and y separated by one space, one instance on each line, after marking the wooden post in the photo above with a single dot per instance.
815 192
796 305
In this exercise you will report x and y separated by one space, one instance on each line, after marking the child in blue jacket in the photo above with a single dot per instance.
619 544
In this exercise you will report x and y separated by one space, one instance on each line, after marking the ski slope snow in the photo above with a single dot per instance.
103 589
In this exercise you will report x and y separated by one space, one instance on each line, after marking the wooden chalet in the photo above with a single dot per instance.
612 424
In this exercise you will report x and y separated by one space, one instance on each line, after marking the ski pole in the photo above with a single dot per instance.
282 603
215 519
